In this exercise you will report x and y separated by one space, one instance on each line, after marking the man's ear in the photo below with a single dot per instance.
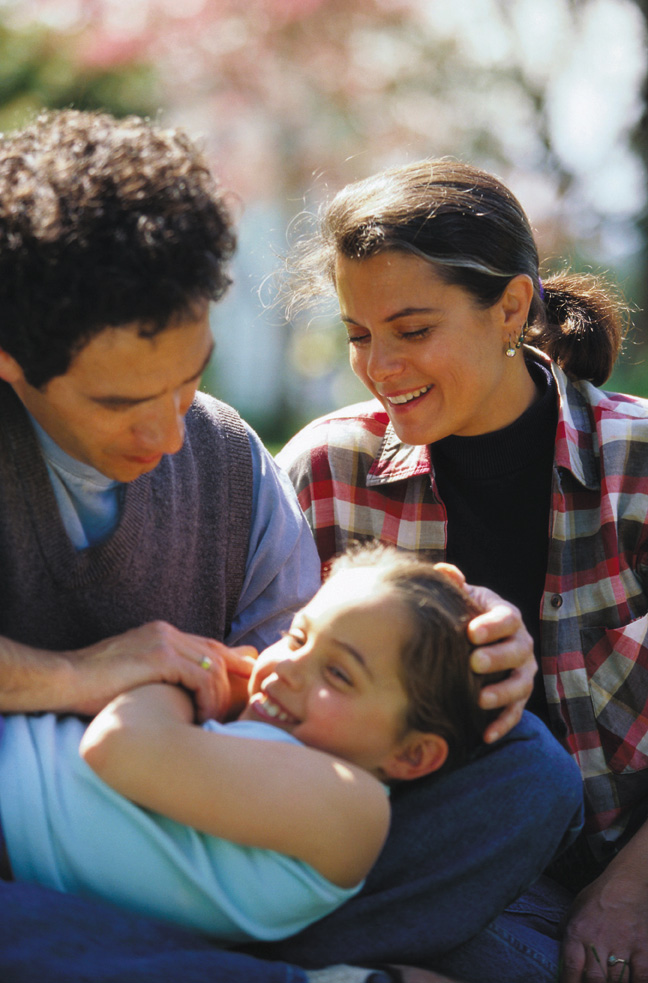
10 371
420 754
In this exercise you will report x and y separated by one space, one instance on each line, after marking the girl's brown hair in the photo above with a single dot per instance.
441 688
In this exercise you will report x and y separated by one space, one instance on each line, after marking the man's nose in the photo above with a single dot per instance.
163 431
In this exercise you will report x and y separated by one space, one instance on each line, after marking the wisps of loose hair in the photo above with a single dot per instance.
475 235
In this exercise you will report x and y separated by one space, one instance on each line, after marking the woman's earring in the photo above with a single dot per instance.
511 350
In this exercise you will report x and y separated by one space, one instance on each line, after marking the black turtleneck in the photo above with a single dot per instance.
496 488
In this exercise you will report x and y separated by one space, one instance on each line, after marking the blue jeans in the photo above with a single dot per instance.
522 945
462 847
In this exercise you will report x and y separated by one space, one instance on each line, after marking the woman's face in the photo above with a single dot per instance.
433 358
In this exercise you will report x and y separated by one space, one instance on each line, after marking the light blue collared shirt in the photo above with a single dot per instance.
283 569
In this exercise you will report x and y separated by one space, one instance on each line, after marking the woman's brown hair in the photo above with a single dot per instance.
475 234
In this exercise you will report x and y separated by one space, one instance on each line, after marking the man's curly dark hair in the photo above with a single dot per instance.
103 222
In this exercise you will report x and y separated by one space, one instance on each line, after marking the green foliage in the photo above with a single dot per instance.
39 68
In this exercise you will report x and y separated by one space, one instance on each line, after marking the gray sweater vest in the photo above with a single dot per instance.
178 554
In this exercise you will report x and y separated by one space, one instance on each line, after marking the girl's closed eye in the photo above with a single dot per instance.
339 675
296 637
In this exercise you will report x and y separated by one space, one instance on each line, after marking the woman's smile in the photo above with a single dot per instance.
428 351
402 399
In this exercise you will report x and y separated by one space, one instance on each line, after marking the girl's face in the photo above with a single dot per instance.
333 681
433 358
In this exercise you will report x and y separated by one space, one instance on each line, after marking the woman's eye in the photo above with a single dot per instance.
358 339
417 333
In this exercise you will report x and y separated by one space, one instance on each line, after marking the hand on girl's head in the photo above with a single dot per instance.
506 646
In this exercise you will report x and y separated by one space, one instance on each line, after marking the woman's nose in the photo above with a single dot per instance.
383 362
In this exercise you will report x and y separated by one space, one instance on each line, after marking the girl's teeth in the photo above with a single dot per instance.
408 397
272 710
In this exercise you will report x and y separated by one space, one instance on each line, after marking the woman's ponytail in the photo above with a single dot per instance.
582 327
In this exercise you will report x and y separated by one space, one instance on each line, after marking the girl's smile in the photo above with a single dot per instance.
333 681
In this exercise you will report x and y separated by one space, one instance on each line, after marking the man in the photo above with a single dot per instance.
140 519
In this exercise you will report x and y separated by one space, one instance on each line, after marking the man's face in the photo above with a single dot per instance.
121 405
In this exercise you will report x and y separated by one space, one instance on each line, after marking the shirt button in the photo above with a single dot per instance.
556 601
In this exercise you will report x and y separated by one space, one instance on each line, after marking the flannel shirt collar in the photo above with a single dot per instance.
575 438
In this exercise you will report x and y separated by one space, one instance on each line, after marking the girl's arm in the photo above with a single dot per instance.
284 797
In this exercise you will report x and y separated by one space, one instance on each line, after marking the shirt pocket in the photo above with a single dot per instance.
616 660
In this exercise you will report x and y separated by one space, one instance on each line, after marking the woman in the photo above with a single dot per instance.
475 446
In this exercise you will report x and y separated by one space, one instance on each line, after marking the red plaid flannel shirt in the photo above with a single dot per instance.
356 481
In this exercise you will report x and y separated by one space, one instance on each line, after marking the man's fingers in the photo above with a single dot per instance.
239 660
212 693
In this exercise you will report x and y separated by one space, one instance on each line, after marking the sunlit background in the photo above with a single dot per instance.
293 98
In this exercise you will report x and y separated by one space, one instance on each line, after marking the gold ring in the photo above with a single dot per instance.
206 663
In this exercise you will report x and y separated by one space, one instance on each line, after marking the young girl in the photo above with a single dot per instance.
255 828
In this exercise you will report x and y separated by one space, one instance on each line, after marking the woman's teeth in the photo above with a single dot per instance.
408 397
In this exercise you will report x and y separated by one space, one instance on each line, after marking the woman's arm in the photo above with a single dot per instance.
610 917
276 796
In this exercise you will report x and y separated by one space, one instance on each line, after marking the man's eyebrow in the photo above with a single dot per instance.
134 400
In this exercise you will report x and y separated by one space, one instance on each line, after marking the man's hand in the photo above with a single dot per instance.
505 644
157 652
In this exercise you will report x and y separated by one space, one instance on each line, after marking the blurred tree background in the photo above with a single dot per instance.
293 98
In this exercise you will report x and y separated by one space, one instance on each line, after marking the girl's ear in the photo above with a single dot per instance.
420 754
10 371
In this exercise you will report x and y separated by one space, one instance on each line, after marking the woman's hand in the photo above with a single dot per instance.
610 918
505 644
